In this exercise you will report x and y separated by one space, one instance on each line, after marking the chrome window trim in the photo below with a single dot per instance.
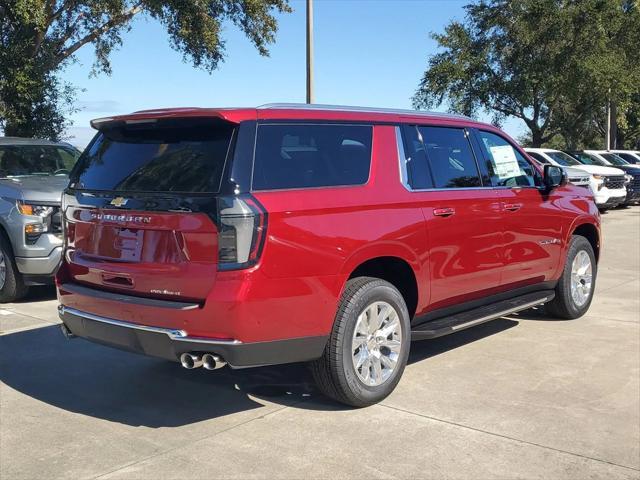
404 176
177 335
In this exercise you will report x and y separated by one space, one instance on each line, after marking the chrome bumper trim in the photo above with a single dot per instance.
177 335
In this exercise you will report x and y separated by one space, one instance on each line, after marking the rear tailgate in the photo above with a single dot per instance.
141 204
154 254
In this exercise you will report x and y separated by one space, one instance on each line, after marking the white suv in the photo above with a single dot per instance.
577 176
606 183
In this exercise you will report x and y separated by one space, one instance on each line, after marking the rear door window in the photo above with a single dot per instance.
418 176
186 158
450 157
307 156
507 167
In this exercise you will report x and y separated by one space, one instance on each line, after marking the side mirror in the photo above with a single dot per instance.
554 177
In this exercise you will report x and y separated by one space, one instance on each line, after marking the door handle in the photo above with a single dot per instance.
512 207
444 212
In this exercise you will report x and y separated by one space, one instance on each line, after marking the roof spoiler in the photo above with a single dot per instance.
157 117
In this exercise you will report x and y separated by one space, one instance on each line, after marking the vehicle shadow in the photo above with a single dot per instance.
97 381
39 293
424 349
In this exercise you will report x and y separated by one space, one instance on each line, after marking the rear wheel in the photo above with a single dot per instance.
369 345
574 291
12 287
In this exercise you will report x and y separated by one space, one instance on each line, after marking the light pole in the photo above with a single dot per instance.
309 51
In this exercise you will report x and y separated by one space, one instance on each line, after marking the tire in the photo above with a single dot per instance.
335 372
564 305
13 287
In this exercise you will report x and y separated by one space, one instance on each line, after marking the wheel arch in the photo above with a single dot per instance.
592 233
393 269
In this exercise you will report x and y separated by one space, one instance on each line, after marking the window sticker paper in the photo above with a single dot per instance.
505 161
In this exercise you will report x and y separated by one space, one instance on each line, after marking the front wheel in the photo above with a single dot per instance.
12 287
368 346
574 291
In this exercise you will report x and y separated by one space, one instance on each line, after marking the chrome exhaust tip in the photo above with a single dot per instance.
190 361
66 332
212 362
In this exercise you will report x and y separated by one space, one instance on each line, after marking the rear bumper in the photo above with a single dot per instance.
170 344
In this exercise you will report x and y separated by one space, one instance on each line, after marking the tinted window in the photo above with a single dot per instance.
507 167
628 157
614 159
299 156
538 157
417 167
176 159
588 159
450 157
21 160
564 159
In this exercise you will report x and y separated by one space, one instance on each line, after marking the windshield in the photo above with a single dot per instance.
179 158
614 159
628 157
563 159
588 159
25 160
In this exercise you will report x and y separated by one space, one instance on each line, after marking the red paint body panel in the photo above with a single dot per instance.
316 238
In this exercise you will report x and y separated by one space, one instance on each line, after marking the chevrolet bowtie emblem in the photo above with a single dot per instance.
119 202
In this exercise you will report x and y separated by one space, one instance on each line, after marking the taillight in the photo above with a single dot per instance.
242 226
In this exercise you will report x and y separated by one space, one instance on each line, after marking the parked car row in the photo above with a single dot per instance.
612 176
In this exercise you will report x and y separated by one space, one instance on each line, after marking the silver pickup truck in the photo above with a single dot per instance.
33 174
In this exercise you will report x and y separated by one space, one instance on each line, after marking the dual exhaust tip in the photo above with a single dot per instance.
209 361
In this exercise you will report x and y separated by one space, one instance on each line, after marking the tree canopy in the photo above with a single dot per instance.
40 37
554 64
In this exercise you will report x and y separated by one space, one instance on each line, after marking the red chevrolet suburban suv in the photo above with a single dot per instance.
334 235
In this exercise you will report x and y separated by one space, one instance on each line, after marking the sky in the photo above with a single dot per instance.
367 53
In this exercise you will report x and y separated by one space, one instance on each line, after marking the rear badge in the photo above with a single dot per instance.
107 217
119 202
165 292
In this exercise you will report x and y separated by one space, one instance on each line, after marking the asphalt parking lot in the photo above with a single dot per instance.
520 397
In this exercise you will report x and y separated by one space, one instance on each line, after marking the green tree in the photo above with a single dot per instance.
554 64
38 38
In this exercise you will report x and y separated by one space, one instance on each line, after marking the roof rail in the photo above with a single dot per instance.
345 108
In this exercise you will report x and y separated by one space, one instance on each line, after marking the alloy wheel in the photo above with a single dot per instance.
581 278
376 343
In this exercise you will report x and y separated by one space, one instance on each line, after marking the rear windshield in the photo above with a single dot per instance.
36 160
187 158
318 155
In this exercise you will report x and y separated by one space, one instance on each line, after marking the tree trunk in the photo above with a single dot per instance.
537 137
614 126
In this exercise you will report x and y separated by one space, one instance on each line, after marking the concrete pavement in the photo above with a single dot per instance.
520 397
